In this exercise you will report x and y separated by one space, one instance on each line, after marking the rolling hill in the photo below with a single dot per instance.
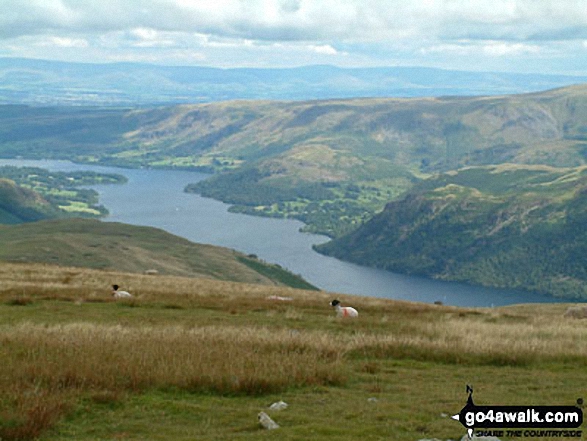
104 245
302 159
505 226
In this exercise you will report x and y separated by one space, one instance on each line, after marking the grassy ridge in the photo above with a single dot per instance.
505 226
198 359
107 245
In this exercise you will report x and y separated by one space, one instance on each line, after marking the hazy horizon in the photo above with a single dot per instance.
509 36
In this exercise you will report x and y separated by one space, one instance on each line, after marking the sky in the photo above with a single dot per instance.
538 36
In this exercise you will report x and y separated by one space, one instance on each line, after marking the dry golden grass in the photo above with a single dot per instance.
218 359
64 337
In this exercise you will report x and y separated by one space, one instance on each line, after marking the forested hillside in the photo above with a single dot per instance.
506 226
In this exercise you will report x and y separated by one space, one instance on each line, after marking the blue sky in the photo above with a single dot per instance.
483 35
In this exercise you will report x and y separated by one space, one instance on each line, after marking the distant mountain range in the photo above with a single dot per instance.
40 82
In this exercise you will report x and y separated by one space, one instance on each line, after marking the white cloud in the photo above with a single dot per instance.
324 49
498 48
65 42
305 20
355 32
145 37
489 48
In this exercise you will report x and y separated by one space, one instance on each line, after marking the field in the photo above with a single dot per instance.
192 358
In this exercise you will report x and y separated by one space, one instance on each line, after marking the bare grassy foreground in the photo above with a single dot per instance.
198 359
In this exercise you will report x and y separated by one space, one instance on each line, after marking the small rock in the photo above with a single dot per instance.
266 421
372 400
280 405
280 298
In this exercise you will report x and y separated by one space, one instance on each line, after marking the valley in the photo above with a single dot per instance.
304 159
332 164
289 220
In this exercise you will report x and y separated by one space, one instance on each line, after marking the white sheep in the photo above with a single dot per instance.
119 294
343 311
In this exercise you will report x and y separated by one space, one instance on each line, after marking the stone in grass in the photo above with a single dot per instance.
266 421
279 405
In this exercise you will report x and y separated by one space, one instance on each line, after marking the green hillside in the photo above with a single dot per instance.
334 164
18 204
330 163
105 245
504 226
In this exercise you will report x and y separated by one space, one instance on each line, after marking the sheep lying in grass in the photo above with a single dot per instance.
344 311
266 421
117 294
579 312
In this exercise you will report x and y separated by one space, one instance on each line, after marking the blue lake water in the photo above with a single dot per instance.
156 198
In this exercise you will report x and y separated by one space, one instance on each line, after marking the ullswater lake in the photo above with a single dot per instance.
156 198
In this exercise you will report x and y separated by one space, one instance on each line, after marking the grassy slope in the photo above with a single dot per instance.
198 359
507 226
105 245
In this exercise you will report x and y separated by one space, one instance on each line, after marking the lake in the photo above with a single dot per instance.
156 198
